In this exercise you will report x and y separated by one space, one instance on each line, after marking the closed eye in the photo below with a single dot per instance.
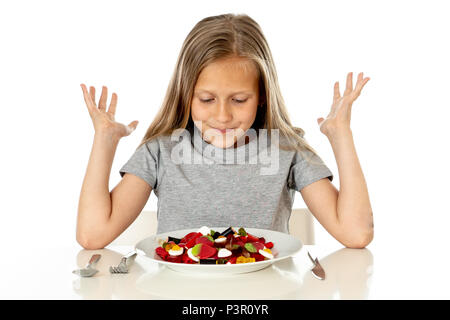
209 100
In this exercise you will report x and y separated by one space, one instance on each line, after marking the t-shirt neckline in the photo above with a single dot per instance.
241 154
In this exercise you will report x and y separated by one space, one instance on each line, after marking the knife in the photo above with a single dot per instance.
317 270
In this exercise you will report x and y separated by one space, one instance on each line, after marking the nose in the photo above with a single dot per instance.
223 113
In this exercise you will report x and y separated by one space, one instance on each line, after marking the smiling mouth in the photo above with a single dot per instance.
224 130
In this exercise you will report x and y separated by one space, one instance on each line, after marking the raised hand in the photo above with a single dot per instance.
339 117
103 119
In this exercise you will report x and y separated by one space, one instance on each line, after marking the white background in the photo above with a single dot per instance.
399 122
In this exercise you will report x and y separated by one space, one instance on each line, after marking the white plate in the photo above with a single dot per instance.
285 244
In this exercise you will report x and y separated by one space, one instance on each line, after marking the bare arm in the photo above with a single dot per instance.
102 215
346 213
94 207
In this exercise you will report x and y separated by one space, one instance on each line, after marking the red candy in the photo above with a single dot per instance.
175 259
192 239
232 260
187 237
160 251
258 245
243 239
269 245
215 256
185 259
252 238
206 251
257 256
239 242
204 240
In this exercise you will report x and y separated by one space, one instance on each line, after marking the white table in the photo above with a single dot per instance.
351 274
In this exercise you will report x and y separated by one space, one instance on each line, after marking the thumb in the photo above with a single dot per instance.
132 126
319 121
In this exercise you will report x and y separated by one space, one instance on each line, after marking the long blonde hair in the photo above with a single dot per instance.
213 38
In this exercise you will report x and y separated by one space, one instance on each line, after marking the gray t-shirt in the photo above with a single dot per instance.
197 183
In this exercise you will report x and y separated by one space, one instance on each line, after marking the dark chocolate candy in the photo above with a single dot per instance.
208 261
176 240
215 235
230 230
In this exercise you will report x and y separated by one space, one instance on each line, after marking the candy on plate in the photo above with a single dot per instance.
208 246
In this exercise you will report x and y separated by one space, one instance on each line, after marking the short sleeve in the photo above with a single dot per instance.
144 163
306 168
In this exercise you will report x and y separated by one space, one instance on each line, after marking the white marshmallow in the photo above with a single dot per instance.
190 255
204 230
176 252
223 253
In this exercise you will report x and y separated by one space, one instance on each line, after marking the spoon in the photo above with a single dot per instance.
89 270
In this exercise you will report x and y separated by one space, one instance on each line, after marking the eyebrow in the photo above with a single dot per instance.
204 90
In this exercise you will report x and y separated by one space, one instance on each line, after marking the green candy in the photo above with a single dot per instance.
250 247
242 232
196 249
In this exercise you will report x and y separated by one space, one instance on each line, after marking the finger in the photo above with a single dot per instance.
113 104
360 84
103 97
87 99
132 126
337 94
92 93
349 85
360 77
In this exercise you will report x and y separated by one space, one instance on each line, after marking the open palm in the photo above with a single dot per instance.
340 113
103 119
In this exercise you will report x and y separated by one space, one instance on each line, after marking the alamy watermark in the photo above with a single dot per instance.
262 153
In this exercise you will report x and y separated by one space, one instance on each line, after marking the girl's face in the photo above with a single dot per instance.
226 97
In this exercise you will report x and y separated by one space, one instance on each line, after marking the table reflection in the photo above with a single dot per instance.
348 277
107 286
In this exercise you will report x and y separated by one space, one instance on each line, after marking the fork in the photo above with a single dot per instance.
123 267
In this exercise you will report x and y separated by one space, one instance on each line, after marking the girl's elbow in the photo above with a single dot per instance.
89 243
361 241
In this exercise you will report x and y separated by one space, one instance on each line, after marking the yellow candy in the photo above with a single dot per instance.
243 259
267 250
176 247
168 246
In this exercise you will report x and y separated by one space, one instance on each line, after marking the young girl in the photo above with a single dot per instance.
224 86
